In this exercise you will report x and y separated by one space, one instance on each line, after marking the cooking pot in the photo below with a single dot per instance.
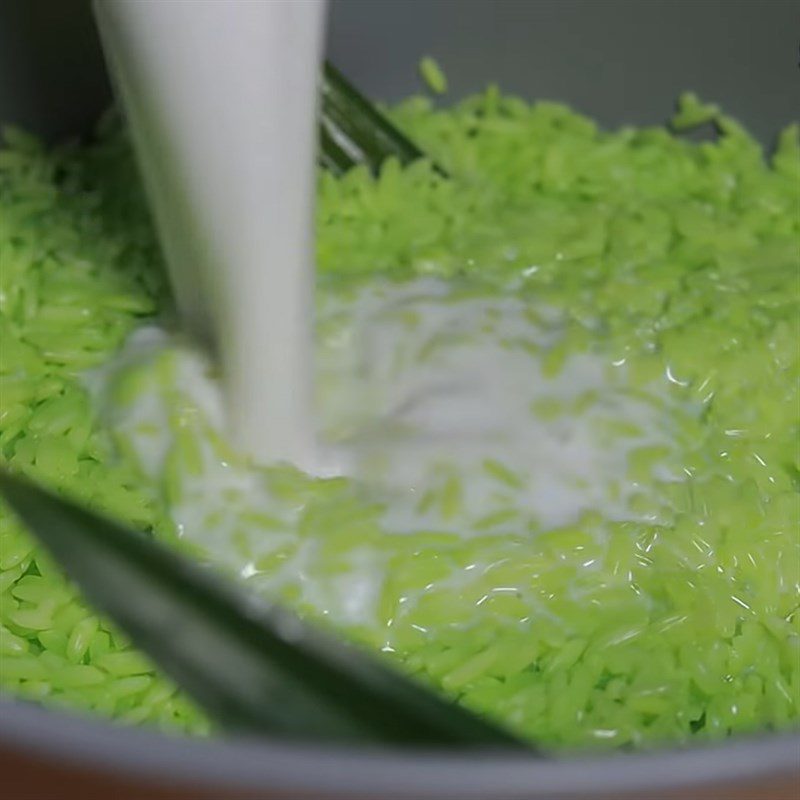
620 61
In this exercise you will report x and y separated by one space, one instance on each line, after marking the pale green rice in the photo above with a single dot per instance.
666 252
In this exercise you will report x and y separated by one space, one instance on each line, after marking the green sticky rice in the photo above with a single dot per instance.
681 257
433 76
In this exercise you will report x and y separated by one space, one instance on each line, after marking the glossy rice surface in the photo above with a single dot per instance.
625 572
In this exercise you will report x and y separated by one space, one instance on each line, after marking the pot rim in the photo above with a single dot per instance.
248 764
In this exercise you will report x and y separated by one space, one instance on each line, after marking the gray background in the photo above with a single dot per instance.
617 60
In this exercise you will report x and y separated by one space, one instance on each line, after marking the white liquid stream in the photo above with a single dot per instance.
220 96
